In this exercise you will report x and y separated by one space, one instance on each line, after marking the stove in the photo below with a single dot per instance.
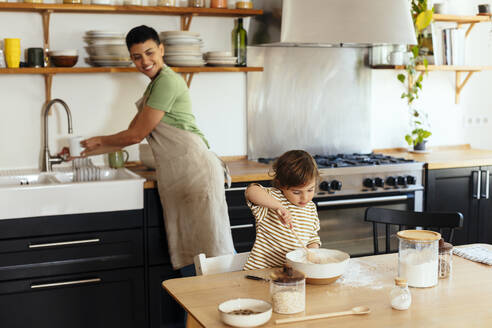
356 174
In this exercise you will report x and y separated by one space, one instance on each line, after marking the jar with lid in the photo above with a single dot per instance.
400 296
445 259
196 3
244 4
288 290
418 257
72 1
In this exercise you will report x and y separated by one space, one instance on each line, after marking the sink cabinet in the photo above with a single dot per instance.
83 270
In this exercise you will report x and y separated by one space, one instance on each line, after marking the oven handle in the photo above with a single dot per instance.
362 200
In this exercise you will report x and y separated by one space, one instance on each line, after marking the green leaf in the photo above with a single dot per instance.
409 139
425 134
401 78
423 20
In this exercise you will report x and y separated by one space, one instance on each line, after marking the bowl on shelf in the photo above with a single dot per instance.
63 58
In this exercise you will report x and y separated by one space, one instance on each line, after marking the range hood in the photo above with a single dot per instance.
331 23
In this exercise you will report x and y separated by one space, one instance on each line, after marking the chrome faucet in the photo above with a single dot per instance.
48 159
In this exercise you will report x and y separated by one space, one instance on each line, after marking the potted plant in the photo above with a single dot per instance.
422 17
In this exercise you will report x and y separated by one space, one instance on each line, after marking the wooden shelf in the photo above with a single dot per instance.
82 70
460 19
144 10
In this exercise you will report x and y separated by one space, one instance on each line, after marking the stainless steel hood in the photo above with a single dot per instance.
331 23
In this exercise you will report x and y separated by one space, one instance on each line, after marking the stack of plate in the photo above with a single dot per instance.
220 58
182 48
106 48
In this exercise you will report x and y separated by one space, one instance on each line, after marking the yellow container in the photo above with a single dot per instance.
33 1
12 52
72 1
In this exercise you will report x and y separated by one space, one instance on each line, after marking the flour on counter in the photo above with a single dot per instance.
362 274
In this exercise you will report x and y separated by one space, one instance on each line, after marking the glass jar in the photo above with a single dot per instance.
445 259
288 291
400 296
72 1
196 3
418 257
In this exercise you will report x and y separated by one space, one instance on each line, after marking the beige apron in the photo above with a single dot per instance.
191 186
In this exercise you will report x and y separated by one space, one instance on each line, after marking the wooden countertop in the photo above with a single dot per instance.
242 170
440 157
461 300
445 157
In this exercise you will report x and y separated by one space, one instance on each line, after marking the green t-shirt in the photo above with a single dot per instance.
168 92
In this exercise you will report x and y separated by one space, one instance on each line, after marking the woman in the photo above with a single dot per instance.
190 177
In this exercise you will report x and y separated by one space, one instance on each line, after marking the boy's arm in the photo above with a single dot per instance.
260 197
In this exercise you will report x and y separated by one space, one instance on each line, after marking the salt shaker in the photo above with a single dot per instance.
288 290
400 296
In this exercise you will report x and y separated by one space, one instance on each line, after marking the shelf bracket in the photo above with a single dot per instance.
187 77
469 29
48 79
461 85
46 30
186 22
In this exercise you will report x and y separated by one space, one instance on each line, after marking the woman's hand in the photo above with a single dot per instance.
91 144
285 216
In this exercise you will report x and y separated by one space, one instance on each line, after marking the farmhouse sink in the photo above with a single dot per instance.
30 193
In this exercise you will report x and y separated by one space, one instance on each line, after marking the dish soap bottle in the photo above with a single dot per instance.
239 43
400 295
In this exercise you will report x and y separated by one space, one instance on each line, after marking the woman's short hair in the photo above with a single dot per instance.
140 34
294 168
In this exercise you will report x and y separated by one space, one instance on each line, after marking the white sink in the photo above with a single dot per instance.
32 193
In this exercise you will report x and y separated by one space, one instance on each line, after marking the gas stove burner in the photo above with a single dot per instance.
347 160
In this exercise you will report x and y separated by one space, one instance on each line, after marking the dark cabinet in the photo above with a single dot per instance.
465 190
94 299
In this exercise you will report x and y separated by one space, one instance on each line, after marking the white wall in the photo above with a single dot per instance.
390 118
103 103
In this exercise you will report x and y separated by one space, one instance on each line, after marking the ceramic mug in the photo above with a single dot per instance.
12 52
396 58
118 158
75 146
35 57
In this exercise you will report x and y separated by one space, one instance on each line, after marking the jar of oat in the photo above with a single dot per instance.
196 3
445 259
288 291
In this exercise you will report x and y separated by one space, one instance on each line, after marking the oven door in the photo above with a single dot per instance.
343 226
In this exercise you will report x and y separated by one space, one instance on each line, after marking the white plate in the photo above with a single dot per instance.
185 63
179 33
222 65
419 151
221 61
218 54
221 58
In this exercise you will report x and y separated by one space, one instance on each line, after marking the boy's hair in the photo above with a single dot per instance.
294 168
140 34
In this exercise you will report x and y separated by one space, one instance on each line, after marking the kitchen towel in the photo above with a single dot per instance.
475 253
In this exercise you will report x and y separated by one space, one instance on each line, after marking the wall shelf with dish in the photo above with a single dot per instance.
470 69
186 13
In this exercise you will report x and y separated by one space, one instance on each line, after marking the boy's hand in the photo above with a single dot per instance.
285 216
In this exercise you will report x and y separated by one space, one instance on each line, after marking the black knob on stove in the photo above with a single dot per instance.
379 182
325 186
411 180
336 185
402 181
368 183
391 181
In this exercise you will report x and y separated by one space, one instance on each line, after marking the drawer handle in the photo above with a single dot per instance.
240 226
66 283
236 189
64 243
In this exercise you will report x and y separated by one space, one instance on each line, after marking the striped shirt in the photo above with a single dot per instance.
274 239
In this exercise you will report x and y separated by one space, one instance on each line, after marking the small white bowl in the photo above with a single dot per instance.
263 308
67 52
322 273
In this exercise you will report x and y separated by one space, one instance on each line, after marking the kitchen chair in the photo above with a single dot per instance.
219 264
444 221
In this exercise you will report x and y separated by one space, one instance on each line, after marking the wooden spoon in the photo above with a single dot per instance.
355 310
311 256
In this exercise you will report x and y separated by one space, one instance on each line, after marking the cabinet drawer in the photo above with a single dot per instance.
164 311
103 299
243 238
73 223
63 254
153 208
157 247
